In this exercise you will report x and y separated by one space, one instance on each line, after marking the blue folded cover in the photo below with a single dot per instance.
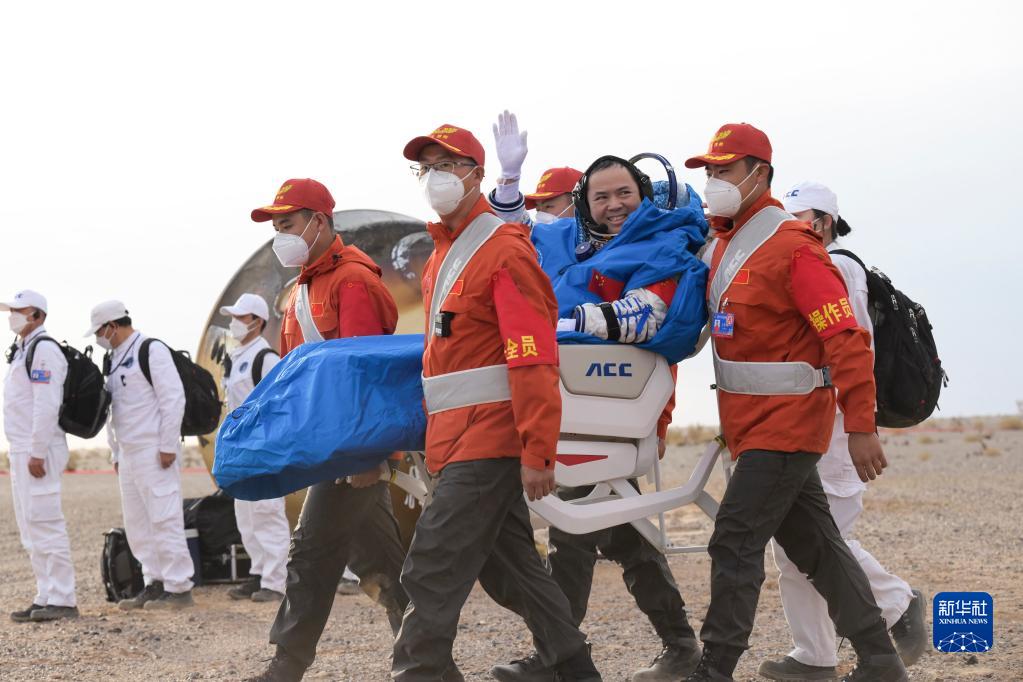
326 411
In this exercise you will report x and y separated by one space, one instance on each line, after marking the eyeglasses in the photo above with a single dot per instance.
421 169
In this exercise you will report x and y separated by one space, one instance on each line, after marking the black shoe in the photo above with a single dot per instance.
707 670
25 615
528 669
245 590
909 634
675 661
791 670
48 613
881 668
578 668
282 668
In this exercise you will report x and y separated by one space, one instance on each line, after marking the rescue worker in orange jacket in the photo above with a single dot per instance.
784 338
339 293
490 380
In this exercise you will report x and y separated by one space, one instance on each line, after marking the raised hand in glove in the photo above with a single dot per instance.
510 143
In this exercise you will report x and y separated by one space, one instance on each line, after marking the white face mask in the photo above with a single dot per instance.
104 342
444 191
723 198
239 330
17 321
291 249
544 218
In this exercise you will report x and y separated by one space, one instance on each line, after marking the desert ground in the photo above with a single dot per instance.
946 516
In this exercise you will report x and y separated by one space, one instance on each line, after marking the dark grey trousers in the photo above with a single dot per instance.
779 494
476 527
644 569
339 525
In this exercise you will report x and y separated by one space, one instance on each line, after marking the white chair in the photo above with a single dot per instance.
612 397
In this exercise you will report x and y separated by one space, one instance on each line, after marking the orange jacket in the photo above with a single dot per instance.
346 298
790 304
504 312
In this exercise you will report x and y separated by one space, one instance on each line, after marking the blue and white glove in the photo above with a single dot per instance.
639 314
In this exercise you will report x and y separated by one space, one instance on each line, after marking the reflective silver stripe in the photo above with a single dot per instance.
310 334
461 252
767 378
757 378
465 388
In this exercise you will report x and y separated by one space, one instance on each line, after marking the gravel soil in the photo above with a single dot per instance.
946 516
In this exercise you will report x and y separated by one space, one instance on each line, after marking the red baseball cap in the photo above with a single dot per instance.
733 141
553 183
295 195
454 139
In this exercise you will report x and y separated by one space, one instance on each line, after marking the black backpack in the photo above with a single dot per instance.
122 573
214 520
907 369
86 401
202 400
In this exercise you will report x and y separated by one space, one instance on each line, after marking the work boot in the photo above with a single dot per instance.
878 668
54 613
151 591
528 669
25 615
675 661
790 669
171 600
716 664
909 634
452 674
282 668
265 595
245 590
876 658
348 587
578 668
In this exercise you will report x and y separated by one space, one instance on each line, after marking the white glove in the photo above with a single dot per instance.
566 324
511 145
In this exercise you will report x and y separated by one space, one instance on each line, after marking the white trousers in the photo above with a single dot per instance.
154 521
813 633
266 535
40 519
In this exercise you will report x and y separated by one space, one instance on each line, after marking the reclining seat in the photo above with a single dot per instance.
612 396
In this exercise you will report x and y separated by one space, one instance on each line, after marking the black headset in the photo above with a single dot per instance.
582 206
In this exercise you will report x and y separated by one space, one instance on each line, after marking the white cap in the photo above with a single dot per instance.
107 311
806 195
26 298
248 304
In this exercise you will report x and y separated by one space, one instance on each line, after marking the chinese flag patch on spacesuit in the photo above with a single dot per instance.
820 293
608 288
527 335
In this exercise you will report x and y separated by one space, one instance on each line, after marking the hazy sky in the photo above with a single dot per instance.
136 137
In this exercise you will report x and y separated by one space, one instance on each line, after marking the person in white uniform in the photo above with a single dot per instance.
144 433
815 654
262 524
38 456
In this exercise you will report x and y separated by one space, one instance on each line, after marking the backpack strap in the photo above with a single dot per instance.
257 364
144 359
853 256
30 352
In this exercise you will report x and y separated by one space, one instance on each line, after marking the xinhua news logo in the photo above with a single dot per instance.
964 622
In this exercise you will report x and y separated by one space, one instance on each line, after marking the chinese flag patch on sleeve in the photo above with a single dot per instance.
819 293
527 335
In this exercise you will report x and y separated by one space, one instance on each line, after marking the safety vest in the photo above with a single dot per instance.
757 378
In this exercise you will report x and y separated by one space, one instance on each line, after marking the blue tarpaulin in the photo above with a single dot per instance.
326 411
